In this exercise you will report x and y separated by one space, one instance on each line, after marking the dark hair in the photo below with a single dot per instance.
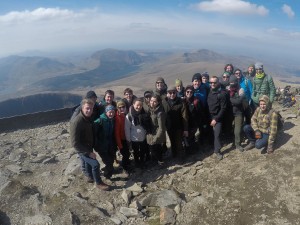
128 90
137 100
158 98
229 64
110 92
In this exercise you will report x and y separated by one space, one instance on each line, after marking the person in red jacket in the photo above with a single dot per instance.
120 134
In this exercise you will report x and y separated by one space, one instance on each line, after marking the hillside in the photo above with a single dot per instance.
41 183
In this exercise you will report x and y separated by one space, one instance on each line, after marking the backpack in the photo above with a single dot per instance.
280 120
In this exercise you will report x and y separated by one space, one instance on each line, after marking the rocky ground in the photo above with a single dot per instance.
41 183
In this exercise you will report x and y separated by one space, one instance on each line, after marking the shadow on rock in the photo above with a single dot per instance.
4 219
288 125
282 139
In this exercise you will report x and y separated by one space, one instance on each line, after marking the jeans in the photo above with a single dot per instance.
217 141
250 134
92 168
238 123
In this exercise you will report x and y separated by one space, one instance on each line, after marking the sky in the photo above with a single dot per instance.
247 27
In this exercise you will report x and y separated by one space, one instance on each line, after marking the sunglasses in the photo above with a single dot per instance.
189 91
225 76
237 73
172 92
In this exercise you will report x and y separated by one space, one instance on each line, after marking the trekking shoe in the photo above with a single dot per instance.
89 180
240 148
263 151
219 156
102 186
250 146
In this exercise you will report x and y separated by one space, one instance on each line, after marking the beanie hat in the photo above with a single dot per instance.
120 103
233 79
109 108
205 74
227 74
160 79
197 76
178 82
265 99
172 89
259 65
90 94
148 93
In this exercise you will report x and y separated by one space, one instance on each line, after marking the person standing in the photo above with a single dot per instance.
263 84
217 104
81 133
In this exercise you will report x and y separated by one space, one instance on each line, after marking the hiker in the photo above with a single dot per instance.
105 144
120 134
179 126
81 133
157 136
263 129
250 73
135 132
262 85
205 78
246 85
96 110
128 98
108 99
179 88
229 68
217 104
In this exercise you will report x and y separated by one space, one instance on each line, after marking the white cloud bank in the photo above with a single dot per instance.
231 7
288 11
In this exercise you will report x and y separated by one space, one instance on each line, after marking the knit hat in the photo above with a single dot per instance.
178 82
265 99
197 76
90 94
160 79
172 89
233 79
259 65
120 103
205 74
109 108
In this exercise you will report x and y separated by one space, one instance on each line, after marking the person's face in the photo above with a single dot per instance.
250 69
213 83
172 94
109 98
94 99
225 77
138 106
128 96
229 69
237 74
262 105
196 84
147 98
122 109
153 102
204 79
258 71
87 110
189 93
110 114
178 88
160 85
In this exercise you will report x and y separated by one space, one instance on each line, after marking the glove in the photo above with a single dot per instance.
241 92
258 134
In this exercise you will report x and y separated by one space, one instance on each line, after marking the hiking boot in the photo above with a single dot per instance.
250 146
102 186
89 180
219 156
263 151
240 148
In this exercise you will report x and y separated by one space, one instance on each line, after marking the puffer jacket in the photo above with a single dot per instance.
263 86
158 128
177 114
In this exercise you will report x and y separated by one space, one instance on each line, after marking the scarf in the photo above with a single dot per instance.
136 116
232 91
260 75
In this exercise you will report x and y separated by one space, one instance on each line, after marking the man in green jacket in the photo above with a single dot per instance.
262 85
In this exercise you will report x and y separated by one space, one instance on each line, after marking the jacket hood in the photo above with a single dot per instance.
265 99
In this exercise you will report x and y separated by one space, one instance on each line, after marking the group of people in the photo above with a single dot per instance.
234 104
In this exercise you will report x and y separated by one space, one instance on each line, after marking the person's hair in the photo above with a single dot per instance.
215 77
229 64
87 101
137 100
158 98
128 90
110 92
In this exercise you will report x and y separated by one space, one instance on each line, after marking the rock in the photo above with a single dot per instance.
136 205
74 218
97 212
135 188
52 136
49 160
177 209
17 155
116 220
14 168
291 116
164 198
73 167
167 216
38 220
126 195
130 212
194 194
40 158
199 200
121 216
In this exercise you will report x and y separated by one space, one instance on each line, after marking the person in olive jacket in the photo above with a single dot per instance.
81 133
157 135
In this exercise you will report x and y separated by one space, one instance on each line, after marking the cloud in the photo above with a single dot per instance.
283 33
288 11
231 7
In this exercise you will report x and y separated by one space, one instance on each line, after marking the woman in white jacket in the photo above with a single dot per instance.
136 133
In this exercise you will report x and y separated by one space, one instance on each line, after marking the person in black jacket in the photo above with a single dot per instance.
217 103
